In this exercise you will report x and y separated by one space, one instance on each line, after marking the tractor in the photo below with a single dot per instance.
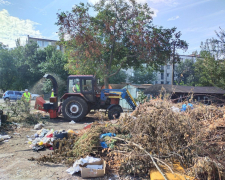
76 105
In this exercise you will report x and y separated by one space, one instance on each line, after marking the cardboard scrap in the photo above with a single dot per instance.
89 172
89 167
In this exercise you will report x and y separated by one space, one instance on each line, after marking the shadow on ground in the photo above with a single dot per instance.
90 118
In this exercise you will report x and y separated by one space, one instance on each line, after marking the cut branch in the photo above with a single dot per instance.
134 144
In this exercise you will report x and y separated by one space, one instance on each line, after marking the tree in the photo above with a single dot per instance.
121 35
176 43
7 68
27 59
143 76
209 71
185 71
216 47
23 66
32 63
55 62
119 78
2 46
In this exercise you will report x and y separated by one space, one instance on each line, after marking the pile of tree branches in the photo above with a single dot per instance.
156 136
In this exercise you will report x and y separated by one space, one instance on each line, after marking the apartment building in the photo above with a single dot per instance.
43 43
165 77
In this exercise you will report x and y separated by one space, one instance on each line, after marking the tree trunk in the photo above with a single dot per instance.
106 82
109 65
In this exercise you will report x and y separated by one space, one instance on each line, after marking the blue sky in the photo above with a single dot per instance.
196 19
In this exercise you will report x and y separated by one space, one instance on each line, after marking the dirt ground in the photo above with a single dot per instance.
14 154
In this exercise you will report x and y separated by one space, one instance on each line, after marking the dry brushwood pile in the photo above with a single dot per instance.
17 113
153 136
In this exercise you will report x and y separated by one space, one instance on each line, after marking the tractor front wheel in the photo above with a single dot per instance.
74 108
114 112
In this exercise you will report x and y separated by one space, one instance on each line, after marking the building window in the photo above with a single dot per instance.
162 75
39 43
168 74
168 66
45 43
162 67
162 82
156 82
167 82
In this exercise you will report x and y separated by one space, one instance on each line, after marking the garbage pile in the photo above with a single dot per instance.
151 137
4 138
45 138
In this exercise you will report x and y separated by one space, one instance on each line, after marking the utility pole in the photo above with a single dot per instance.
172 80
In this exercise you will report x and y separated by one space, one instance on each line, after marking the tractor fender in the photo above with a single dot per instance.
113 105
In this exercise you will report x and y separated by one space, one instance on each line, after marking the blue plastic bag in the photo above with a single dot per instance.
191 105
107 134
184 107
103 143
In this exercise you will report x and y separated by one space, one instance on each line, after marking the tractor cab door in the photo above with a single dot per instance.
87 89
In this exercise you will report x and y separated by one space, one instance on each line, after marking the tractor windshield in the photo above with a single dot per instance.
86 85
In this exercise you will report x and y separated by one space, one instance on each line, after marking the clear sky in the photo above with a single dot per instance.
196 19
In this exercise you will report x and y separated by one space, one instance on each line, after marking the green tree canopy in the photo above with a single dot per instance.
143 75
119 78
7 68
185 71
121 35
210 71
54 63
216 47
23 66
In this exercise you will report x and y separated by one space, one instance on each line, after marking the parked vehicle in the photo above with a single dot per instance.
12 95
34 96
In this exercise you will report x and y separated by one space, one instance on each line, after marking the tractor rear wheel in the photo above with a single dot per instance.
114 112
74 108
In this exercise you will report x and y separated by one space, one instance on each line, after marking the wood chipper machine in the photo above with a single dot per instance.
76 105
